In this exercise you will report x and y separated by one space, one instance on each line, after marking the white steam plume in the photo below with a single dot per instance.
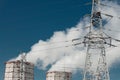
53 51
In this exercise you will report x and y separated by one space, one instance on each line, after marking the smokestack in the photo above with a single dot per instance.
19 70
58 75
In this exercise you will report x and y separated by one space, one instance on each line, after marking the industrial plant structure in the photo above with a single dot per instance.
96 41
58 75
19 70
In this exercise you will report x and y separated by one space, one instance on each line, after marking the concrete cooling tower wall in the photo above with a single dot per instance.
17 70
58 75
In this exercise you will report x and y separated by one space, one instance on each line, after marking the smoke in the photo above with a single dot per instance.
62 55
51 51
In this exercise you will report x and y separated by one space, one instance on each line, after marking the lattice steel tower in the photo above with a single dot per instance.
95 41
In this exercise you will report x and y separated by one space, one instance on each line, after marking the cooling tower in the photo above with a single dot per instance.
58 75
18 70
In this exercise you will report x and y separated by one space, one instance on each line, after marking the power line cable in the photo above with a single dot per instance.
111 30
53 48
109 6
57 42
62 41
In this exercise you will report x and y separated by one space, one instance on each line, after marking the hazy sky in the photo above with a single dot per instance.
25 22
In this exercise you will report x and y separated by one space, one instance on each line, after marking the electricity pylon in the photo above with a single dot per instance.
22 66
96 41
95 63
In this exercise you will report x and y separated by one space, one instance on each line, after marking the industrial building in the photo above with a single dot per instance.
58 75
19 70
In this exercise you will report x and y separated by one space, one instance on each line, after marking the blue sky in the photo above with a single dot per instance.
25 22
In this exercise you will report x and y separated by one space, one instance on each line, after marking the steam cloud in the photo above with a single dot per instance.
53 52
